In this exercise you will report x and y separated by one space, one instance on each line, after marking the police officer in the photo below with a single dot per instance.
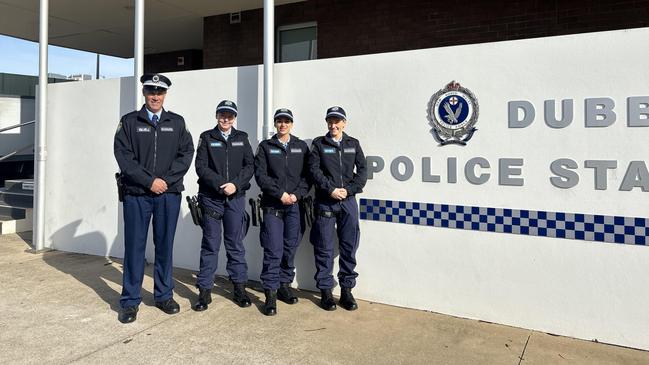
338 169
224 164
281 173
154 151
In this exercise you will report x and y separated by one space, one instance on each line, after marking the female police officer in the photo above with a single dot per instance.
224 164
281 173
332 161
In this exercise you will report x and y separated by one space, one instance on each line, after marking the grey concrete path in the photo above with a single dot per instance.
61 308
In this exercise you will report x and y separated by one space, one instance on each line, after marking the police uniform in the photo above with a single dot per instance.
280 168
336 165
148 146
223 159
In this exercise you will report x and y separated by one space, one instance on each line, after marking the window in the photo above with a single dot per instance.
297 42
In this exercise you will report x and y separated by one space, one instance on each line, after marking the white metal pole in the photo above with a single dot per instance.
269 62
38 233
138 52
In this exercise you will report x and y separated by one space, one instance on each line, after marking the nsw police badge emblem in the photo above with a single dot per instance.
453 113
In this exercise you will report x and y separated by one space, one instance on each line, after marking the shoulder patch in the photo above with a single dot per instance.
119 127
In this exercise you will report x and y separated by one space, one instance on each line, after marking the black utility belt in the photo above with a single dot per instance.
279 213
328 213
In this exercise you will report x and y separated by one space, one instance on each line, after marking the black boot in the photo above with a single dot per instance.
240 296
327 300
204 298
347 300
270 306
285 294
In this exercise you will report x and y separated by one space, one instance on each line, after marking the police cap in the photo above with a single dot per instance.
283 113
155 82
336 112
227 106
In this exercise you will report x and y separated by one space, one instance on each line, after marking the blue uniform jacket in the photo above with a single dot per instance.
144 152
332 166
219 161
279 170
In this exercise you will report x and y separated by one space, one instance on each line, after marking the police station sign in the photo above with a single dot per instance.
453 114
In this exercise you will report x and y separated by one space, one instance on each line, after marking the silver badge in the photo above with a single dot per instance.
453 113
155 78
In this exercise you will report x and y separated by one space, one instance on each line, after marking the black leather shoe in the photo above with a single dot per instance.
240 297
270 306
204 298
347 300
128 314
327 301
168 306
285 294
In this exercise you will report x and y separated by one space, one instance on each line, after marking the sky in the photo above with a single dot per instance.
21 57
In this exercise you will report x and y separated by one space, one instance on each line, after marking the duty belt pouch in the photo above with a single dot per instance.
306 208
195 210
120 186
211 212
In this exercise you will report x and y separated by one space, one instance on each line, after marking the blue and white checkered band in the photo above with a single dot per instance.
577 226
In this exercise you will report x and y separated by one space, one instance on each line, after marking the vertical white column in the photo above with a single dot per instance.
38 233
269 62
138 52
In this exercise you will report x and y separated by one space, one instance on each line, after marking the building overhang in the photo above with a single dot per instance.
107 27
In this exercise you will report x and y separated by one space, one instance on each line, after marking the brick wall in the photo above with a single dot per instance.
167 62
353 27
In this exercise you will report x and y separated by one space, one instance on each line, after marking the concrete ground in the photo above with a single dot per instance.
61 308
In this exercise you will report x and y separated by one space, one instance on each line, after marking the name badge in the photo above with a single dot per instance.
143 129
350 150
296 150
275 151
216 144
166 129
329 150
237 144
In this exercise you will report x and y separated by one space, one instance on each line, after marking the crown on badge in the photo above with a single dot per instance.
453 85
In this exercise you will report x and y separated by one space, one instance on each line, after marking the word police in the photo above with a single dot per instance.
564 173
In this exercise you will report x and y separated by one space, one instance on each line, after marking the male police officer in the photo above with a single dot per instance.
281 173
154 151
224 164
332 161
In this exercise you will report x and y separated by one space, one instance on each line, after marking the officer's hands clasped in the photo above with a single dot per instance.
158 186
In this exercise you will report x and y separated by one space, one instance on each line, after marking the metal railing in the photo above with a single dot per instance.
21 148
16 126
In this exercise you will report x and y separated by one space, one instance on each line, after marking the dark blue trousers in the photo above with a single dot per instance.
280 238
322 237
138 210
233 221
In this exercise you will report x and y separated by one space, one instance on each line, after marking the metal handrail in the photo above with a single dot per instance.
17 126
16 151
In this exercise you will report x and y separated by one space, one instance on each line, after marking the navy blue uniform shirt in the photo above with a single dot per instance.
220 161
334 165
145 152
279 170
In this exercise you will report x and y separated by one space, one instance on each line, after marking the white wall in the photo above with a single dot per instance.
585 289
